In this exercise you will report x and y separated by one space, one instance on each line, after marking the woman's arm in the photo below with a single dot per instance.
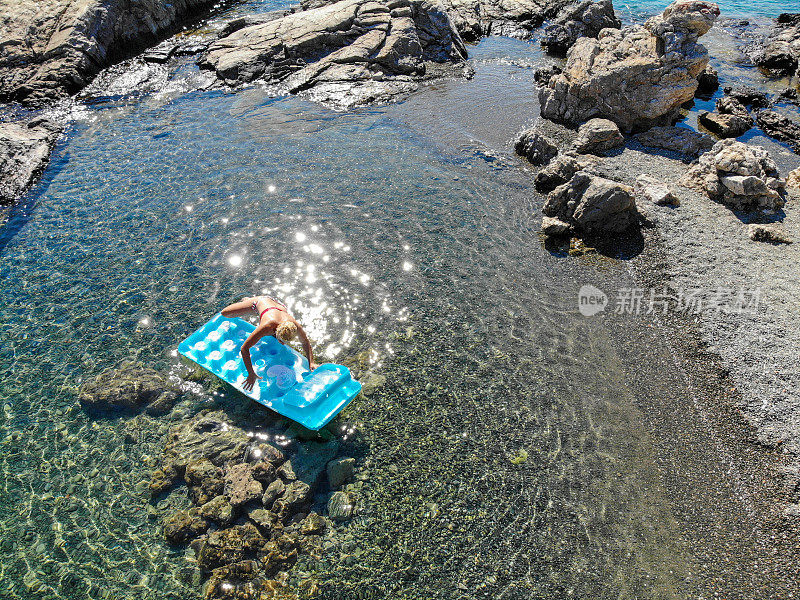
301 333
248 363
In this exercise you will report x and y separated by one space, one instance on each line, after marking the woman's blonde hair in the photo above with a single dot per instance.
286 331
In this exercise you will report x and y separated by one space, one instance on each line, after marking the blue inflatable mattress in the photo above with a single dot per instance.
288 387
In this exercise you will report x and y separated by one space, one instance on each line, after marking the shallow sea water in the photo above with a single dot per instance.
508 454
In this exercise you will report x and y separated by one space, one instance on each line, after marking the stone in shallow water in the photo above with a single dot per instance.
554 226
204 480
341 506
295 495
184 525
274 489
313 524
780 127
240 486
127 387
220 510
537 148
227 546
340 471
593 205
24 152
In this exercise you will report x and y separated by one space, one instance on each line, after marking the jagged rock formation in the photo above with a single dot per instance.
585 18
52 49
474 19
591 205
350 52
537 148
636 76
741 176
780 52
24 151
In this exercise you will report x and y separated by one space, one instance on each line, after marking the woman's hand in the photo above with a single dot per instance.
250 381
313 366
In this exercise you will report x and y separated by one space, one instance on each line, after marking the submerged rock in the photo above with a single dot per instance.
240 486
635 76
725 125
593 205
597 136
24 152
220 510
677 139
772 233
584 18
53 49
341 506
748 96
741 176
780 127
184 525
707 82
349 52
340 471
128 387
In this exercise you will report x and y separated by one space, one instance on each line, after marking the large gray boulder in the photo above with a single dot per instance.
584 18
739 175
636 76
597 136
54 48
346 53
593 205
24 151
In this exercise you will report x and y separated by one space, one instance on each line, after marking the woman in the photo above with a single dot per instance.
273 319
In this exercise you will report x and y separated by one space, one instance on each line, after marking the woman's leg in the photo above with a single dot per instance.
239 309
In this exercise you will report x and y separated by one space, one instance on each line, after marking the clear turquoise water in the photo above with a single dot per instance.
404 232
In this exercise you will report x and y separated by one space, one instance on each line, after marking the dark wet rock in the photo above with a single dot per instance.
296 495
739 175
128 387
561 169
652 191
593 205
273 491
53 49
220 510
537 148
311 459
184 525
286 472
676 139
232 545
159 54
772 233
268 453
313 524
554 226
208 435
584 18
780 127
340 471
264 472
161 480
789 95
707 82
725 125
24 151
748 96
729 105
636 76
341 506
780 52
597 136
204 480
346 53
240 486
543 74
